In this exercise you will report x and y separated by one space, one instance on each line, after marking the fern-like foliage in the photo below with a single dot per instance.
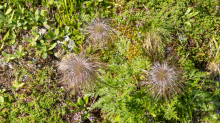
170 111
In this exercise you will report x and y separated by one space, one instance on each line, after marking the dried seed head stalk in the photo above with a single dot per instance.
99 31
163 80
79 71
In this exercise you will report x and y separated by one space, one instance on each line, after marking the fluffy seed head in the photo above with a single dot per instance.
163 80
98 31
79 71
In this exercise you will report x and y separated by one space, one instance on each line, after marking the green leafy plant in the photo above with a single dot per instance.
8 57
20 53
184 34
83 102
32 41
188 15
17 85
1 97
45 48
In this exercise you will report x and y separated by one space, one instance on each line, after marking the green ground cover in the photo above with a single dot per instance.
101 61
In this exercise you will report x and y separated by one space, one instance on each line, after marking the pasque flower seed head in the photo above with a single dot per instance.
99 31
163 80
79 71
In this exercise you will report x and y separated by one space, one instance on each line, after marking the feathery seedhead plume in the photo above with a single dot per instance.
79 71
99 31
163 80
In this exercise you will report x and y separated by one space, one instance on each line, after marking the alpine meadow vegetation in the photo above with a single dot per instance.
109 61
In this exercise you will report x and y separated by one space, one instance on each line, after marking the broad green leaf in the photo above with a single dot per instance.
1 7
19 7
22 11
1 99
6 36
42 13
4 54
51 2
46 25
214 116
31 16
20 48
2 46
80 101
50 33
117 119
188 10
44 56
57 31
211 106
17 53
37 15
18 24
193 14
41 47
35 39
12 57
42 42
86 99
2 91
2 17
8 11
6 60
27 40
77 37
52 46
12 16
188 24
66 29
20 85
17 85
44 4
5 5
63 111
9 25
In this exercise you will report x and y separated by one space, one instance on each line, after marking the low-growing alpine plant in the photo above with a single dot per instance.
80 117
133 88
99 31
79 71
163 80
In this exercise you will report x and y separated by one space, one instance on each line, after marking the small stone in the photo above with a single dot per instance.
39 65
34 59
71 43
42 31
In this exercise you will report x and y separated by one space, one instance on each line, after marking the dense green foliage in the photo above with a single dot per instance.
35 35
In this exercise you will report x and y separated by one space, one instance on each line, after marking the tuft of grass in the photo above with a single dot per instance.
213 65
154 41
79 71
163 80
